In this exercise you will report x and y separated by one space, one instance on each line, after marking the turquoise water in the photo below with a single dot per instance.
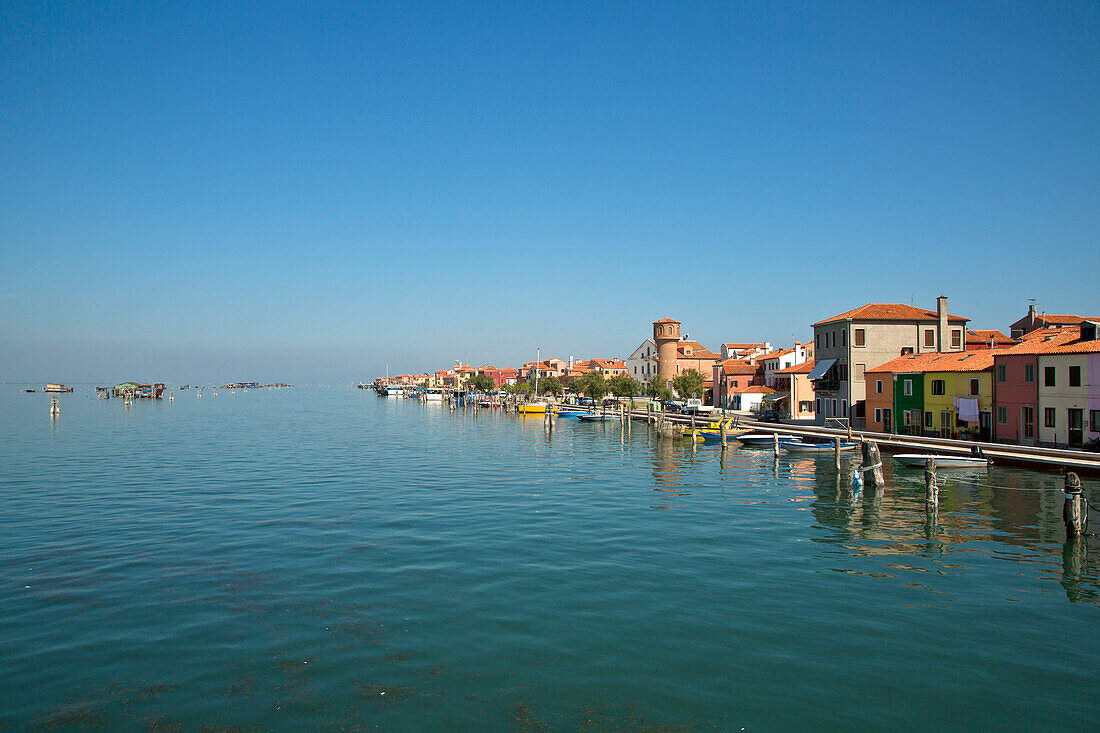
324 559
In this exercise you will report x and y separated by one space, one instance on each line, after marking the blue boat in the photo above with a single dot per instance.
597 417
764 439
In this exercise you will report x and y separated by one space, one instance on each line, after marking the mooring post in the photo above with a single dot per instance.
775 445
693 424
872 464
722 432
836 454
1074 511
932 491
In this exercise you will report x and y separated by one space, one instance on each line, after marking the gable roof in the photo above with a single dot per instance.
754 389
889 312
937 361
1052 341
804 368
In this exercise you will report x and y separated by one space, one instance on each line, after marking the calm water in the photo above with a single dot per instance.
326 559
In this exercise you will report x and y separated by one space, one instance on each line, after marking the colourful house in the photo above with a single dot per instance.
937 394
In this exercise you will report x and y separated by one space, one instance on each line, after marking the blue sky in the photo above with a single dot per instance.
311 192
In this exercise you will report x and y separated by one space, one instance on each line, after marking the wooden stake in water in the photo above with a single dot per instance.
722 432
836 454
872 465
931 490
1074 511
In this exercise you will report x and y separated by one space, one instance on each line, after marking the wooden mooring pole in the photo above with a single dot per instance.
722 433
872 465
1075 510
931 490
836 454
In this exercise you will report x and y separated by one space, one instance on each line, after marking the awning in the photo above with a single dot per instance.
821 367
776 397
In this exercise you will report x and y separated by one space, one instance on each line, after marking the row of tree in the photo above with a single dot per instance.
596 386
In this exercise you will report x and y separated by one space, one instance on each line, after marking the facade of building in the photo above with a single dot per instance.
1048 387
784 359
947 395
730 376
744 350
847 345
642 363
666 334
794 382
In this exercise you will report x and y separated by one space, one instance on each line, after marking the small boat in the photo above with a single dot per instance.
976 459
433 395
569 413
597 417
30 390
539 408
707 434
797 446
764 439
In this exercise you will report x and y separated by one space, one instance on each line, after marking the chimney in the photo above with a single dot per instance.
944 333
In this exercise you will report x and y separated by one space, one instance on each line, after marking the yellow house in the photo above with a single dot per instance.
958 394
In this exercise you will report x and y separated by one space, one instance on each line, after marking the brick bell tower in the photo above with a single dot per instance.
666 334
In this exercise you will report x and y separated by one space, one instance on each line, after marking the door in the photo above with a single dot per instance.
1076 425
985 426
887 423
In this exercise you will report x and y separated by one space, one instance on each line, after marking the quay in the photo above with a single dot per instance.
1045 459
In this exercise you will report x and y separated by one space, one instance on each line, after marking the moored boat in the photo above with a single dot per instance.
764 439
537 408
798 446
597 417
51 387
919 460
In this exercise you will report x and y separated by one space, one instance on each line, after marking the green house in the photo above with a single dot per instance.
908 403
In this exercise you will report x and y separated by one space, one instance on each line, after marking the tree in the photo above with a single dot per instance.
480 383
550 385
658 388
509 388
624 386
524 388
592 385
689 383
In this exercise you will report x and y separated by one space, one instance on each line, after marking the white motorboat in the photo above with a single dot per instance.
918 460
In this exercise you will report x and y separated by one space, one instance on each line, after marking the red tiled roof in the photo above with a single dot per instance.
666 320
754 389
953 361
804 368
980 336
734 366
889 312
745 346
1053 341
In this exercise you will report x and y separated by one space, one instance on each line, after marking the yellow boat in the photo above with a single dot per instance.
536 409
714 426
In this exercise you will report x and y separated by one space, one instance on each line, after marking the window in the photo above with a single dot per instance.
1075 376
906 350
938 386
928 419
907 418
843 338
878 414
878 386
817 340
956 338
907 387
844 408
929 337
1048 376
859 337
1094 421
975 387
1027 421
945 420
1029 372
1001 373
842 370
817 405
834 407
1002 415
861 369
1048 418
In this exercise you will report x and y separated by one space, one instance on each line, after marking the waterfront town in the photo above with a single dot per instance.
880 367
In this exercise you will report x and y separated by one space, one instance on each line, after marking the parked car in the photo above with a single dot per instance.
671 406
586 401
769 416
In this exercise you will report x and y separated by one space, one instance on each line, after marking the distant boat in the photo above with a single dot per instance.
30 390
51 387
763 439
597 417
569 413
918 460
797 446
433 394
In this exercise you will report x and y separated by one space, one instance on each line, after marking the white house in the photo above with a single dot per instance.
643 362
785 359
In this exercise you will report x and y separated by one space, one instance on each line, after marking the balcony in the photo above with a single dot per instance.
827 385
